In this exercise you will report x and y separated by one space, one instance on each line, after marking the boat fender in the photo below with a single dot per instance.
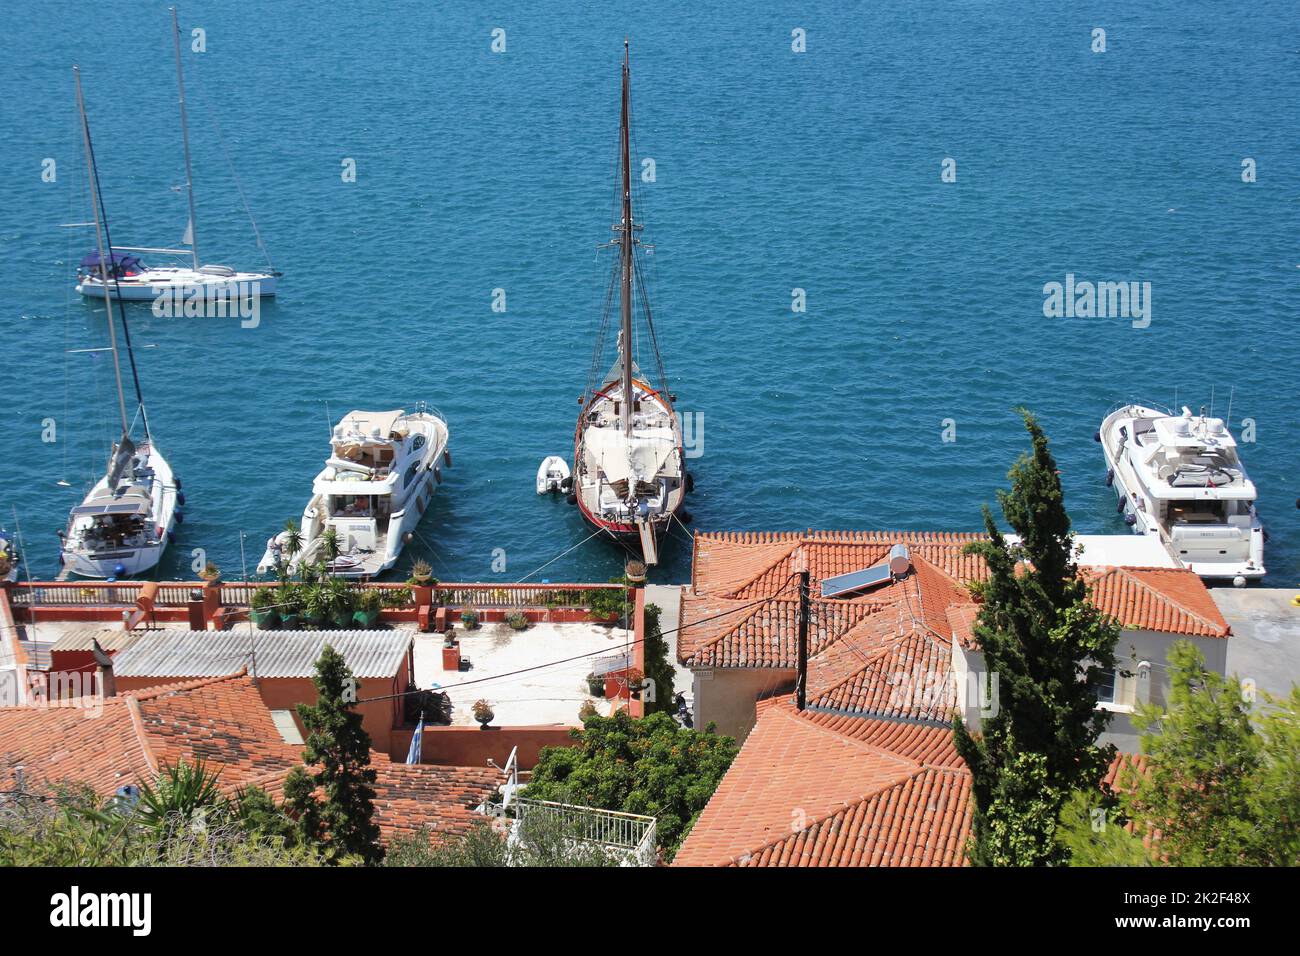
1122 503
180 497
571 498
1130 520
1110 477
684 517
178 484
1096 436
446 456
566 483
171 537
180 517
690 482
119 570
437 474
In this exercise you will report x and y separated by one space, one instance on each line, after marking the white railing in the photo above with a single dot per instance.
630 835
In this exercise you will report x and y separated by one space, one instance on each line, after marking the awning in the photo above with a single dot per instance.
116 508
375 426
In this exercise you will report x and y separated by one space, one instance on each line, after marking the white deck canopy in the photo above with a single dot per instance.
376 426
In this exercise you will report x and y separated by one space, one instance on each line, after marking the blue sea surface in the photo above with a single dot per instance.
774 171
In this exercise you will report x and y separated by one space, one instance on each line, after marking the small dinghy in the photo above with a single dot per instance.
552 475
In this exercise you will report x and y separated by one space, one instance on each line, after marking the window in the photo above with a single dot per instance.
1103 686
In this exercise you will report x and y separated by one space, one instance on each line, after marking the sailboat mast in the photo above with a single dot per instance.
103 253
185 140
625 251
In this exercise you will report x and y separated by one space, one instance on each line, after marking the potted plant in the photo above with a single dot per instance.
469 617
263 608
368 605
483 713
289 597
397 597
595 685
517 620
338 600
588 709
421 574
633 679
313 605
292 539
210 573
636 571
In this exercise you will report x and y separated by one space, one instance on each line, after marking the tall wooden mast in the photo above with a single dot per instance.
625 251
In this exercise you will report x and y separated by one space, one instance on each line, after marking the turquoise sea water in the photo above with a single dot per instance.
774 171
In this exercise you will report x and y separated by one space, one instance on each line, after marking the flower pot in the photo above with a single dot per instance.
366 619
342 620
290 619
265 618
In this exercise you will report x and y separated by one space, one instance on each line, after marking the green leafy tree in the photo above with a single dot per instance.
657 666
542 841
1045 643
338 751
1221 785
651 766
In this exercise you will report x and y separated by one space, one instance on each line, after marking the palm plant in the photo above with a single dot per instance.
329 542
292 539
184 794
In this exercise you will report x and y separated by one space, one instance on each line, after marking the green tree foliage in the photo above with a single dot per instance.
1221 787
544 841
657 666
651 766
612 604
333 796
1045 643
179 820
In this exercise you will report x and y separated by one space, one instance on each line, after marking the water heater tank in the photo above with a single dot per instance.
900 560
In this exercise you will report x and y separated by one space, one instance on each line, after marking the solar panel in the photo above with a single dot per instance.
855 581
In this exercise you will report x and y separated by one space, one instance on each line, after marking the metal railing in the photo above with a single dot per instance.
239 594
630 835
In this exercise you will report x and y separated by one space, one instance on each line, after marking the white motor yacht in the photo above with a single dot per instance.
367 500
1179 477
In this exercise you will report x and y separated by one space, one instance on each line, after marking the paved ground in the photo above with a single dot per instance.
669 598
1265 641
544 693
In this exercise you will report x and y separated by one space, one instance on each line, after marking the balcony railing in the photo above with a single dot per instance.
239 593
630 836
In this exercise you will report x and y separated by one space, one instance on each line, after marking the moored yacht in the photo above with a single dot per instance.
124 523
629 471
375 487
1179 477
128 277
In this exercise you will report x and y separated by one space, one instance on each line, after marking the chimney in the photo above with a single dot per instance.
107 684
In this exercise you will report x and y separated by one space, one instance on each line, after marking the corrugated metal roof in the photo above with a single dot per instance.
109 639
279 653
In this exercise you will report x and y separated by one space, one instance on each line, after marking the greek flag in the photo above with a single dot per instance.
417 738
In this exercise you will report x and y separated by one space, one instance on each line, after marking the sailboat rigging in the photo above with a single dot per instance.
629 474
124 523
134 280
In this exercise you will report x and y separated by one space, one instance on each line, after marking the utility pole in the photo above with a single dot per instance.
801 672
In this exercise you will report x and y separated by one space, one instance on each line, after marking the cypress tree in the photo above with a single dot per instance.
1045 644
342 824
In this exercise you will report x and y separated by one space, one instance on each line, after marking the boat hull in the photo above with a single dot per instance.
150 285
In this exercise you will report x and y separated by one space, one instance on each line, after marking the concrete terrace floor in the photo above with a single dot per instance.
1265 642
550 694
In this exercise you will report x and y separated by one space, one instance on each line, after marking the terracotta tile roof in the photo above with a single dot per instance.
743 594
408 796
1157 599
224 722
821 790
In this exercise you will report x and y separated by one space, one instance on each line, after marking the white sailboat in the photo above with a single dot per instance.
124 275
375 487
1179 477
124 523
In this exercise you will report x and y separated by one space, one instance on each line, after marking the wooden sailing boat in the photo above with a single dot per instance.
124 523
629 473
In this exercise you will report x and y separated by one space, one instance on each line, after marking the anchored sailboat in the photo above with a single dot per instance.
124 523
124 275
629 472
